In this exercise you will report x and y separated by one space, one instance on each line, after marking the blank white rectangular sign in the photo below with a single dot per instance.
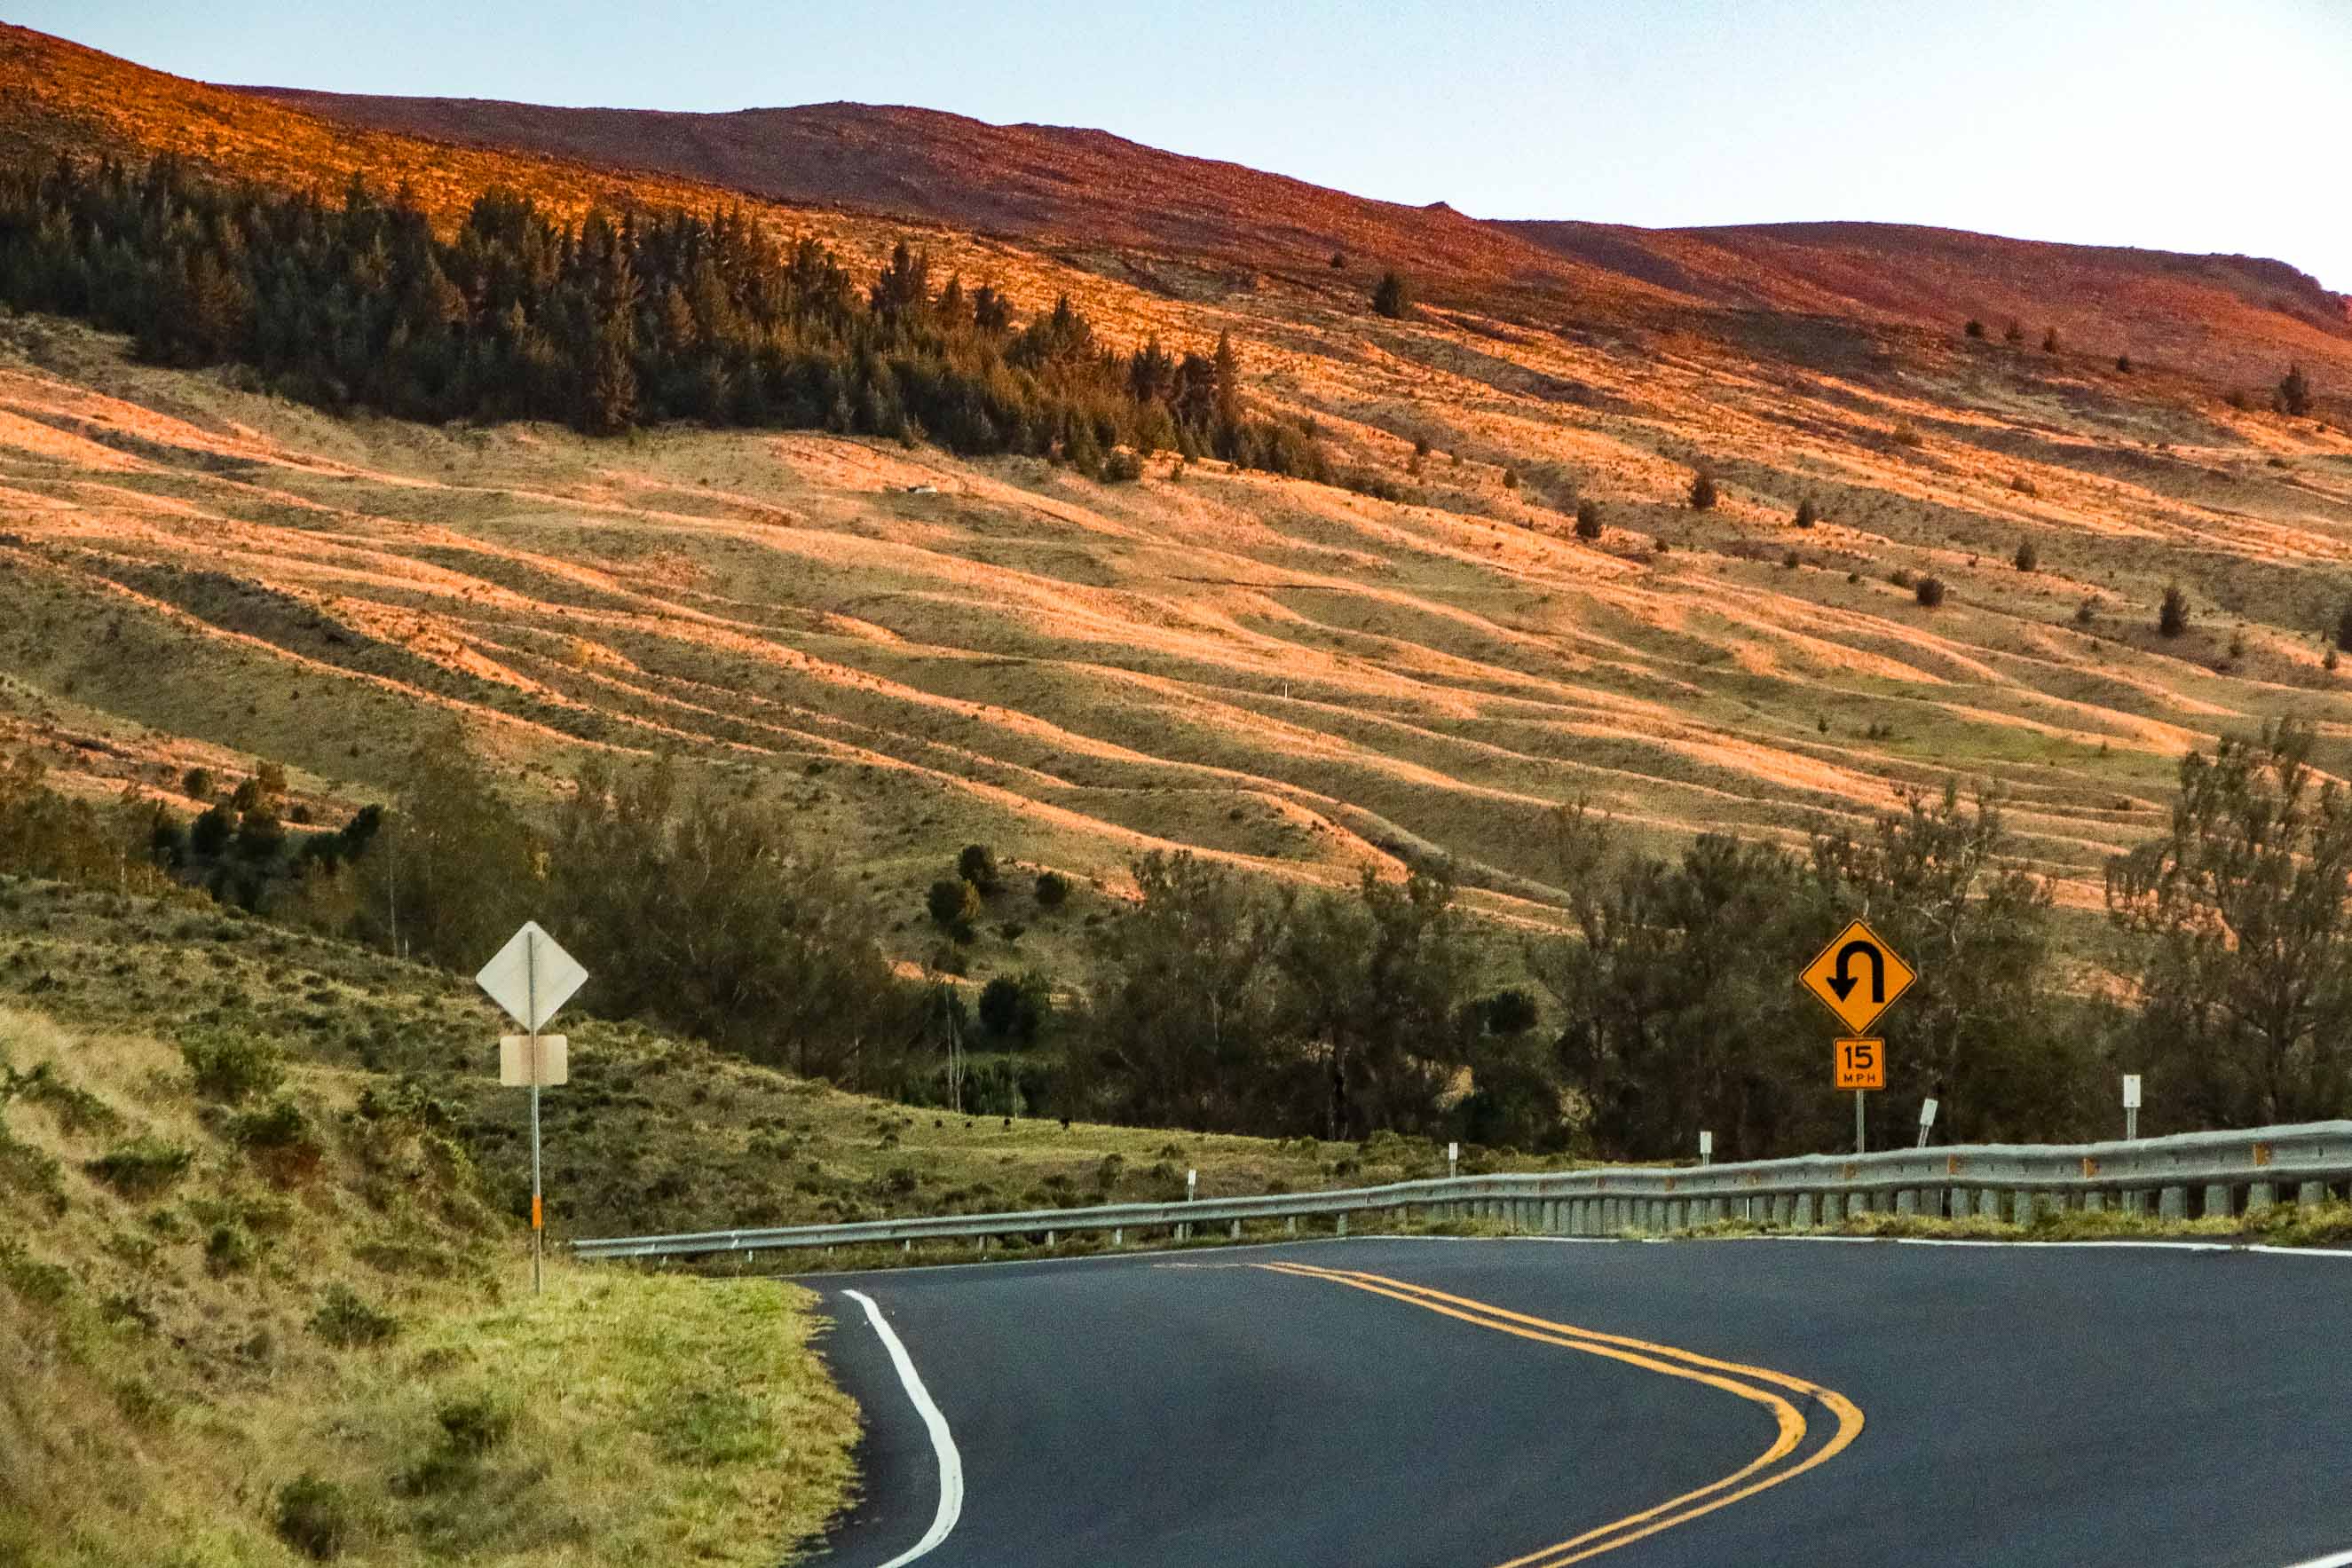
2131 1091
514 1061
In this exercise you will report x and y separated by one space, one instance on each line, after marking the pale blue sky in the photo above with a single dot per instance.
2217 126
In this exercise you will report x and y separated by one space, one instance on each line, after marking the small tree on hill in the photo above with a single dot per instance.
2123 364
1807 513
2172 615
1976 328
1392 296
2028 558
954 903
1928 591
2050 341
977 865
2343 627
1588 520
2294 392
2014 333
1702 491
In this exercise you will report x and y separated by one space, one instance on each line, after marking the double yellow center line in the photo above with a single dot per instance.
1787 1458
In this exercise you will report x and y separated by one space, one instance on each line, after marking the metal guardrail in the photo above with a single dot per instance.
2184 1176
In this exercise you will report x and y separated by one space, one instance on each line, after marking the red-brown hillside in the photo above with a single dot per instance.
2231 318
2226 317
1056 183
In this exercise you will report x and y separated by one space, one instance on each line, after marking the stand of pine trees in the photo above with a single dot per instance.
615 323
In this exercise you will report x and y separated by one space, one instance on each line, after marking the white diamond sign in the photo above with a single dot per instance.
531 977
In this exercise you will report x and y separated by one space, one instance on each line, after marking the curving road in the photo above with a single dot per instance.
1429 1403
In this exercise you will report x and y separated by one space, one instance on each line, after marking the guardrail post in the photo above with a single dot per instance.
1906 1201
1801 1212
1049 1238
1236 1233
2132 1202
1117 1231
2262 1195
2172 1203
1340 1227
1290 1225
2093 1200
2216 1201
2312 1194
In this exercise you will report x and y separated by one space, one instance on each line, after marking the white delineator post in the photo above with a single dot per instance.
2131 1105
537 1232
1926 1119
1452 1159
1707 1149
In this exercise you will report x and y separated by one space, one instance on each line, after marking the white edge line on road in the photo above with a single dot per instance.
942 1440
2340 1560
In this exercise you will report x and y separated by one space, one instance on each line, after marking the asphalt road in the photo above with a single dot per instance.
1414 1404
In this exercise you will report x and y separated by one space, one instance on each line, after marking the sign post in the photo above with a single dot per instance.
532 978
1836 978
1452 1159
1707 1149
1926 1119
2131 1105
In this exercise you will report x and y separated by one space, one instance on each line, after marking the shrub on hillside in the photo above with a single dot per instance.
2172 614
1807 513
954 903
1928 591
2295 393
315 1517
1052 889
1976 328
143 1167
1588 521
2014 333
1392 296
2027 558
229 1067
2050 341
1702 491
977 865
344 1321
2343 627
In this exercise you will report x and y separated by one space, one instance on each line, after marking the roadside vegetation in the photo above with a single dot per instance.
259 1309
1214 1002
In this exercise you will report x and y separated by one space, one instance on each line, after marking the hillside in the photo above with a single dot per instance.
913 651
2222 318
2226 318
269 1326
